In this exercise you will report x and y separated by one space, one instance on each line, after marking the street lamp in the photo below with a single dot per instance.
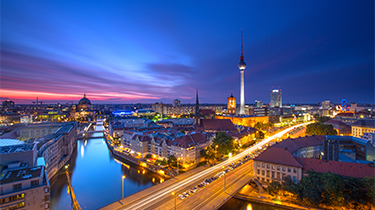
174 194
123 177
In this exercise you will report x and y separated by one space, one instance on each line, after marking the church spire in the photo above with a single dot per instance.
197 106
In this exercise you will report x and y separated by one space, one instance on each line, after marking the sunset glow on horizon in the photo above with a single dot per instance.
147 52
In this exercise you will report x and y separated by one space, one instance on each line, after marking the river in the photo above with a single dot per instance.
96 177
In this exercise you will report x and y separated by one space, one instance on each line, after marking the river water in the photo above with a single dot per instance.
96 177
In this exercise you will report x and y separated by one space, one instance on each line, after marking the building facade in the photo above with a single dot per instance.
276 98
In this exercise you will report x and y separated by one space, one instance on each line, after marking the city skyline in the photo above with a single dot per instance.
129 52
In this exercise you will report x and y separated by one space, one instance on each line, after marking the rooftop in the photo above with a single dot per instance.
9 142
295 144
21 174
278 156
342 168
364 123
217 124
16 148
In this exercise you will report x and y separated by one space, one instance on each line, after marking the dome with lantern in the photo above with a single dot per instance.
84 103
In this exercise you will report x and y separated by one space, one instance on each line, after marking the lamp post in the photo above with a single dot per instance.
178 165
123 177
174 194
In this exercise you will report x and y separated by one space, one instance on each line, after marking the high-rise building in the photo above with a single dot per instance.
231 105
242 67
176 102
326 104
276 98
258 104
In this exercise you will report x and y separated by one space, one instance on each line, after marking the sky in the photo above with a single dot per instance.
157 51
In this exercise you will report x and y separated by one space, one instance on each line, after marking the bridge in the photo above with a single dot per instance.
75 203
210 197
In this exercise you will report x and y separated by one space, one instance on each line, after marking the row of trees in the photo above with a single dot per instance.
222 144
320 129
263 126
327 189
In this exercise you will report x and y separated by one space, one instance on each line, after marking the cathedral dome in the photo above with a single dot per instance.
84 103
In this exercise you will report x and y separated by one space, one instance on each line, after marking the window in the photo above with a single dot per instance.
268 180
46 198
273 174
294 170
273 167
268 173
262 165
258 171
294 179
278 175
258 164
268 165
278 168
34 183
289 170
17 187
283 168
263 179
263 172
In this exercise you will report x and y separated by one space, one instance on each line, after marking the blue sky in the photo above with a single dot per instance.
148 51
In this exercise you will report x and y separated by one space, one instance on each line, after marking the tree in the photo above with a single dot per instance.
274 188
321 119
332 188
259 135
310 188
148 156
172 161
369 185
320 129
225 143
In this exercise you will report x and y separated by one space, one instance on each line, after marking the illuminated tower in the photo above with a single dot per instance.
231 105
242 67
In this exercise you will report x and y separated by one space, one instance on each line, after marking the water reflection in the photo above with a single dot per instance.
97 177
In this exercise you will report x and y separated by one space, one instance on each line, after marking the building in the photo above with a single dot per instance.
341 128
258 111
197 116
25 188
117 127
363 126
82 112
276 98
231 108
17 155
247 121
57 148
35 131
242 67
258 104
216 125
276 163
159 108
326 105
8 104
294 157
176 102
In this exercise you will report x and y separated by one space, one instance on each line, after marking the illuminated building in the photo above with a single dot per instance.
276 98
82 111
363 126
246 121
242 66
176 102
25 188
231 105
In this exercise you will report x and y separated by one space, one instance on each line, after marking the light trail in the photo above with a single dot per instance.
144 203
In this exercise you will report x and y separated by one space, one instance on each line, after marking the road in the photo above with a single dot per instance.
165 195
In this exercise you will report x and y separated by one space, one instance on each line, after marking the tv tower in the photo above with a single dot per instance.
242 67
